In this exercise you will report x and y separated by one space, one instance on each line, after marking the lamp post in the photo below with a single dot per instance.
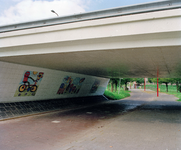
54 12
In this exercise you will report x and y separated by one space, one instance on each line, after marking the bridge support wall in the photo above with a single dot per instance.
26 83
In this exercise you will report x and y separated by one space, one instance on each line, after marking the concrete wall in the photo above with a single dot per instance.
12 75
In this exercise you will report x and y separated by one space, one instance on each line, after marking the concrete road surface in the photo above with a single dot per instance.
140 122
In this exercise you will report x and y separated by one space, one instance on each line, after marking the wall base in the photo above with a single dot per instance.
21 109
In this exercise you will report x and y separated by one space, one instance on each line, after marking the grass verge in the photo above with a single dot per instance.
115 96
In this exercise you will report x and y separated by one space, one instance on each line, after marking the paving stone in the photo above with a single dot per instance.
3 114
9 114
8 108
2 105
3 109
13 108
7 104
13 104
27 106
15 112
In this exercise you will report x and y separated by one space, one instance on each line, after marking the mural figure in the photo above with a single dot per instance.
95 86
29 84
70 85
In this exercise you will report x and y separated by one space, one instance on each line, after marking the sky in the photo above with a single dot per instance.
17 11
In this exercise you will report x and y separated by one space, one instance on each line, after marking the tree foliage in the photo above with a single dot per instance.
150 80
177 81
114 81
124 81
139 80
166 81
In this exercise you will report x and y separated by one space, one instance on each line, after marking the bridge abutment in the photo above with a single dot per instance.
21 83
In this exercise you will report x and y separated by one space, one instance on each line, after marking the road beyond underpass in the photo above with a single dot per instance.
139 122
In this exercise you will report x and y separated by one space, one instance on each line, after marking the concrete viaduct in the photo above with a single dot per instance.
74 56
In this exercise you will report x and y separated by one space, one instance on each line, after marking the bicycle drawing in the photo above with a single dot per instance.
29 83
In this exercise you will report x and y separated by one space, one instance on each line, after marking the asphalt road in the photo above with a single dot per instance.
140 122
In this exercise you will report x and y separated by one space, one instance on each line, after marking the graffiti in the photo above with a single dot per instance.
95 86
70 85
29 83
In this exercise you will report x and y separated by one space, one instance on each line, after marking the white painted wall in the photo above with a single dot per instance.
11 75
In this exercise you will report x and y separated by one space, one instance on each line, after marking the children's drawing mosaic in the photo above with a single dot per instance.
70 85
95 86
29 83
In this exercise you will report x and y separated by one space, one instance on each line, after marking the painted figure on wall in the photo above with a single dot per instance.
95 86
29 83
70 85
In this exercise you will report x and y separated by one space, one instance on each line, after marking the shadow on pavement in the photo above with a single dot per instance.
112 109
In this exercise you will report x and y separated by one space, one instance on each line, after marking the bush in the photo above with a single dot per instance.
115 96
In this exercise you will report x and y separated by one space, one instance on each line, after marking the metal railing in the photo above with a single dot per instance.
120 11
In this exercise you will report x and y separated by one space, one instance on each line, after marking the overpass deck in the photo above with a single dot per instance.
114 12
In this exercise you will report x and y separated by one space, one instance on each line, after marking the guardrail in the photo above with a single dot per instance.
120 11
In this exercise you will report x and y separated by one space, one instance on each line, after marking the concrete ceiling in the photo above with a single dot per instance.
138 62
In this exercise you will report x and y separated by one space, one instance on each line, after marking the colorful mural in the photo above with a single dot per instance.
95 86
70 85
29 83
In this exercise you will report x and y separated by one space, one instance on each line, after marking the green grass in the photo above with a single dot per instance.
172 90
115 96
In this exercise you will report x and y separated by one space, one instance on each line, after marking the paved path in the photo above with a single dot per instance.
139 122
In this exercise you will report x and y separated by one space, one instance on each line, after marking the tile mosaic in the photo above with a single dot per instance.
12 74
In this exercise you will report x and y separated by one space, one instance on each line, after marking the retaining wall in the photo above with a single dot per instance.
20 83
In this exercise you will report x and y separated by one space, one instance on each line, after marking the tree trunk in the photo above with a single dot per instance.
177 86
116 87
112 87
108 86
166 86
125 88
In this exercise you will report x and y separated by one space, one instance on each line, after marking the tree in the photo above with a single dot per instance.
163 80
125 81
109 85
139 80
177 81
114 81
166 81
150 80
111 81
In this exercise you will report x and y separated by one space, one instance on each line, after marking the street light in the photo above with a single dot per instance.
54 12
